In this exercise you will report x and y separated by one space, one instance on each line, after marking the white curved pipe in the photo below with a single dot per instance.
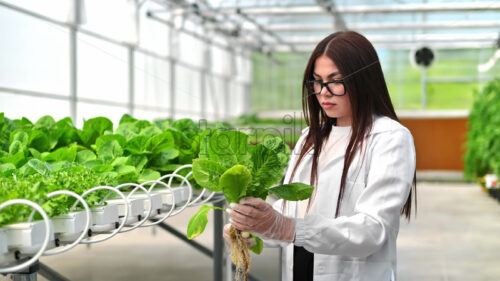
116 231
169 176
87 222
45 240
490 63
171 208
199 196
176 171
137 186
195 201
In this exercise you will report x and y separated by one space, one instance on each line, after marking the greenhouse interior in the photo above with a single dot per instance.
131 129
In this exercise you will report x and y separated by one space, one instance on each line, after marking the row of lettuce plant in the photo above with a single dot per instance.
39 157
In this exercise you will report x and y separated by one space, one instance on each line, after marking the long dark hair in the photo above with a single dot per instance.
359 65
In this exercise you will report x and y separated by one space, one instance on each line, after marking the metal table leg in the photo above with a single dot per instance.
218 243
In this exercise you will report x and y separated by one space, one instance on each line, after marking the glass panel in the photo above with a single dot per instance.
277 81
54 9
243 69
221 61
192 115
454 63
113 18
451 79
216 98
16 106
237 100
403 79
153 35
451 95
188 92
191 50
152 81
102 70
34 54
150 114
89 110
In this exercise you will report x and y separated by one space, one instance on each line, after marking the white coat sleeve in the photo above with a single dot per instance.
377 210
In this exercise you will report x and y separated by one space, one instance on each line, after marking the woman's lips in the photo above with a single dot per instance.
327 105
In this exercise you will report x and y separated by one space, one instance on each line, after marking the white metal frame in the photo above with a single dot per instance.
382 26
365 9
73 97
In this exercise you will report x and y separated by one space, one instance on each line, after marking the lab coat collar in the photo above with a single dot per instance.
383 124
380 124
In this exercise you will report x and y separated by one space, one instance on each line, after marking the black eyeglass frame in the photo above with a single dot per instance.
325 84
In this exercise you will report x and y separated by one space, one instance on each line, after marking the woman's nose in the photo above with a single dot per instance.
324 91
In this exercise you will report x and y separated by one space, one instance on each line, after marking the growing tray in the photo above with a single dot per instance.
135 211
3 246
27 237
181 194
69 226
156 202
105 215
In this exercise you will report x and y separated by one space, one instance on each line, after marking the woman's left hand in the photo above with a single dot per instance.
256 216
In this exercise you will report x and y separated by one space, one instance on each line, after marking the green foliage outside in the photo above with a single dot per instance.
483 137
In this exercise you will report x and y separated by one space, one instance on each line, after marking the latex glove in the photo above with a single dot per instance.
246 235
256 216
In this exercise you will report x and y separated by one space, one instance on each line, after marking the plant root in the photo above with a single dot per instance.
239 254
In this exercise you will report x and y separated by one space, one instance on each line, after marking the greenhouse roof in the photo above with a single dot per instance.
274 25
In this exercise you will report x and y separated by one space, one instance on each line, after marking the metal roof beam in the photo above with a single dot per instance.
402 46
368 9
382 26
489 37
205 10
331 8
213 21
264 29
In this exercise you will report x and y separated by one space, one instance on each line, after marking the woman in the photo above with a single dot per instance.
360 160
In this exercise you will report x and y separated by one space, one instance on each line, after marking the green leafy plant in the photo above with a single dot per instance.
44 180
483 136
228 163
34 154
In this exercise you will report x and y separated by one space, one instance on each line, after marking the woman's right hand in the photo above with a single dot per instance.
246 235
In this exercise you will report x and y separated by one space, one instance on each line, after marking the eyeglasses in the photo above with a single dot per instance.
335 87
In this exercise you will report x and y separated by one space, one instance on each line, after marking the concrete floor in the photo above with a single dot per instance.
455 237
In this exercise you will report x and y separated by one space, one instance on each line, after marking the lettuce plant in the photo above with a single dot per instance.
228 163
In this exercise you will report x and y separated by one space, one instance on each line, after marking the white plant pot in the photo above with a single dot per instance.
491 181
181 194
136 206
3 259
105 215
156 202
130 220
71 223
103 228
3 243
27 237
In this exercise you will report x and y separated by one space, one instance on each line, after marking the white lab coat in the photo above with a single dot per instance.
360 244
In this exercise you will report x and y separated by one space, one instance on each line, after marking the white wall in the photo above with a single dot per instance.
35 65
